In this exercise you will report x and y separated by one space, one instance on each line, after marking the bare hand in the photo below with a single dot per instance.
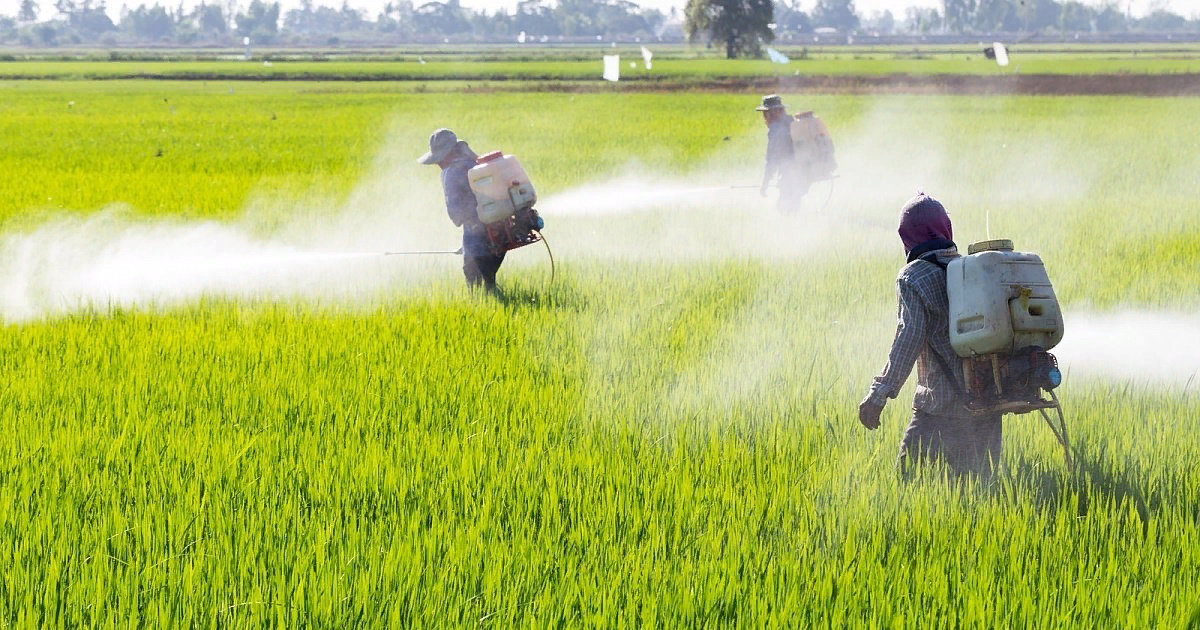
868 414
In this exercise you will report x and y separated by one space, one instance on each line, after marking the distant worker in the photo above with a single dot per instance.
480 263
781 155
941 427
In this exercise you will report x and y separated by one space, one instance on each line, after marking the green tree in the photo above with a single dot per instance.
839 14
85 17
1039 15
791 18
1110 18
957 14
261 21
742 25
1076 17
918 20
883 23
442 18
150 23
28 12
211 19
535 17
396 18
1162 20
997 16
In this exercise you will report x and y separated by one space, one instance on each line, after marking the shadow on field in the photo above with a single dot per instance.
556 297
1096 478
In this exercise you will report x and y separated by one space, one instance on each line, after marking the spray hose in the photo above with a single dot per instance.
548 253
1060 431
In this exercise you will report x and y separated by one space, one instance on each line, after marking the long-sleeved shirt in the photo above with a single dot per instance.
923 328
461 202
780 152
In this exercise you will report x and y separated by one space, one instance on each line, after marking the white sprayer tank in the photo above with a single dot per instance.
1001 301
501 187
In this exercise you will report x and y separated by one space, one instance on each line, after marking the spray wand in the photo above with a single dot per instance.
458 252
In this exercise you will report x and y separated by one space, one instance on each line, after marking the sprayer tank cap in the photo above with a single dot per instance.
995 245
488 157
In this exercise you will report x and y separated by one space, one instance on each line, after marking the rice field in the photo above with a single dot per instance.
665 436
670 63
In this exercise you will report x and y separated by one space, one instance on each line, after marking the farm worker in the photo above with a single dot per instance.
781 155
941 427
480 263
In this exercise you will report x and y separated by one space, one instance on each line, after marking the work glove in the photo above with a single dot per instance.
762 190
868 414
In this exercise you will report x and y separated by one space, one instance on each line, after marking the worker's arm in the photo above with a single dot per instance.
779 152
460 201
906 348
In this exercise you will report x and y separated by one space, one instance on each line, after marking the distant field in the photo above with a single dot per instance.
441 67
583 51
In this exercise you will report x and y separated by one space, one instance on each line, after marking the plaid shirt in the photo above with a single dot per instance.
924 315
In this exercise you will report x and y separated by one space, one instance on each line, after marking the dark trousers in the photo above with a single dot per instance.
483 269
791 194
968 444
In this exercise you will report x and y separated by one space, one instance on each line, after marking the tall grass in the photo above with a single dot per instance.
653 441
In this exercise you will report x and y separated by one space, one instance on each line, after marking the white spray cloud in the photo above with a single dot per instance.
1137 346
317 248
106 261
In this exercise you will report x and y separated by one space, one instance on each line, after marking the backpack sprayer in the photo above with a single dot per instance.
1004 318
813 149
504 199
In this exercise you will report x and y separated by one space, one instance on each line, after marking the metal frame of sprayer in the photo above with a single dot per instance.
997 384
521 228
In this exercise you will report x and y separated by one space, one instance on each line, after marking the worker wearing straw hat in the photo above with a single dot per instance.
781 155
455 157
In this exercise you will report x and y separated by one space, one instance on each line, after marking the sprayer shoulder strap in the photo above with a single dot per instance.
941 361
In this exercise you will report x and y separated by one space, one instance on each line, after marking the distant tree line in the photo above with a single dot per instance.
738 27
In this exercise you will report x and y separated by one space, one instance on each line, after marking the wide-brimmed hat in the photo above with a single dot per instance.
772 101
441 143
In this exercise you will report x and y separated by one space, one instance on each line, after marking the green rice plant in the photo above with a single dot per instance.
664 437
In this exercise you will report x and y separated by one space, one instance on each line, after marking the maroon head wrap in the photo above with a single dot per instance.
924 219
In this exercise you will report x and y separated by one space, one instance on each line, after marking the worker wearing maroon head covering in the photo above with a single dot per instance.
941 427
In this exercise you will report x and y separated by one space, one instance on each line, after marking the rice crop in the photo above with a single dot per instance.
586 64
664 437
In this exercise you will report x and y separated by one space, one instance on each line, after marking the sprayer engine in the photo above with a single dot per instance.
1011 383
519 229
504 202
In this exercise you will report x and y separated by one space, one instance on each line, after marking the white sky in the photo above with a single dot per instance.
1186 8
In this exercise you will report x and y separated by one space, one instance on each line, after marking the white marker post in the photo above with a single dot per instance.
1001 53
612 68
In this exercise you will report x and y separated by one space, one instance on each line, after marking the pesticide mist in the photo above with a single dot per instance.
1140 347
111 259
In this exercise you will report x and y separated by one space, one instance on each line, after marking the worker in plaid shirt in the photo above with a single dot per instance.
941 427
